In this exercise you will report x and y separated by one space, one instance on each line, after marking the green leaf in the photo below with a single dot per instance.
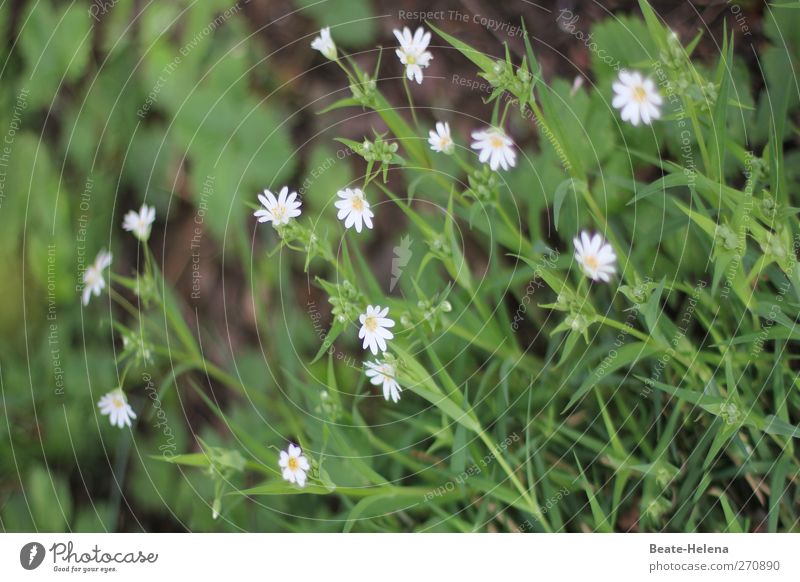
353 23
55 44
719 119
628 355
336 330
50 500
482 61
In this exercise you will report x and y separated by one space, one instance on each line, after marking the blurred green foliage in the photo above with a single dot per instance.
149 107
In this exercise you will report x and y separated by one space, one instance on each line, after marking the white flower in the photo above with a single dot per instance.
294 465
354 208
412 52
324 44
637 97
278 211
115 405
384 373
373 328
440 139
595 256
495 147
93 281
139 223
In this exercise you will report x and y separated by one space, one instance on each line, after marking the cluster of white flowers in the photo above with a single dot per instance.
375 332
636 97
139 224
355 212
114 404
492 145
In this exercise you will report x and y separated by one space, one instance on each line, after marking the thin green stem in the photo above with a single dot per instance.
410 101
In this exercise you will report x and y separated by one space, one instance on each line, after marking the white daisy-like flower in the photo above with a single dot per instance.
139 223
413 51
440 140
93 280
324 44
278 210
374 332
354 208
495 147
637 98
595 256
385 374
115 406
294 465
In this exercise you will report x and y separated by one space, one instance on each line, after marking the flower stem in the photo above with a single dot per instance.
410 101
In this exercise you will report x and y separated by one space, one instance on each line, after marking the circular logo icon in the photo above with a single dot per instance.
31 555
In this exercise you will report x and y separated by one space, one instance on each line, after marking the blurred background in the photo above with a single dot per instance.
194 107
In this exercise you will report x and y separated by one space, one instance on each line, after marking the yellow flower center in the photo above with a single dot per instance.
358 203
496 142
279 212
591 262
411 59
117 402
293 464
371 323
639 94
